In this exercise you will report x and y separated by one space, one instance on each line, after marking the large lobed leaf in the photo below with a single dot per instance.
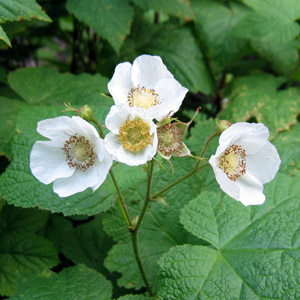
179 8
214 20
271 27
255 250
79 282
110 19
21 250
257 96
18 10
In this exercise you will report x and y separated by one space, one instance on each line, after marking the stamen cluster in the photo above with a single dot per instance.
79 153
134 135
169 139
233 162
142 97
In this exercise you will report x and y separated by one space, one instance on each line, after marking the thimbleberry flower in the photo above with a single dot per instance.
170 140
148 84
244 161
74 158
133 138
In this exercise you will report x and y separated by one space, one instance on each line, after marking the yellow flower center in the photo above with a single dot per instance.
79 153
134 135
233 162
142 97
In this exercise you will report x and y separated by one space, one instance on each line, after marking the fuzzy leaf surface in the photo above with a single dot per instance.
110 19
257 96
79 282
21 250
256 251
179 8
214 22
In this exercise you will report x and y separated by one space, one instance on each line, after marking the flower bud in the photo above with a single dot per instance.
223 125
85 112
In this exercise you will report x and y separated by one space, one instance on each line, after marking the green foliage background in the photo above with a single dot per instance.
240 62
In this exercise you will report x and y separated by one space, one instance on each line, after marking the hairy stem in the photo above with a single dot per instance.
120 198
135 229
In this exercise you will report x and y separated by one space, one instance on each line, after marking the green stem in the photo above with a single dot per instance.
135 229
180 179
196 169
208 140
120 198
134 239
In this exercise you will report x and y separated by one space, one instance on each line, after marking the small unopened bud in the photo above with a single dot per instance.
223 125
85 112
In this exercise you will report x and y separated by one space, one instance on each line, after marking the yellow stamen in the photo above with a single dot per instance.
134 135
233 162
142 97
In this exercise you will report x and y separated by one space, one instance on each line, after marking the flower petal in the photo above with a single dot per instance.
102 168
251 136
251 190
116 118
120 84
148 70
48 161
59 129
171 94
76 183
264 164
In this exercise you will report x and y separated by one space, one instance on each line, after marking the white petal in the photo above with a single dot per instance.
76 183
148 70
251 136
116 117
59 128
251 190
264 164
84 128
102 168
228 186
48 161
120 84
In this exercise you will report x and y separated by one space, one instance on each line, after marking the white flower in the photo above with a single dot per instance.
148 84
74 158
133 139
244 161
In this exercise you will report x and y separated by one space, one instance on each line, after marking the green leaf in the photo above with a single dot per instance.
287 144
179 8
283 56
161 228
110 19
79 282
257 248
257 96
8 119
274 20
21 250
4 37
16 10
180 52
271 27
87 243
36 85
214 21
134 297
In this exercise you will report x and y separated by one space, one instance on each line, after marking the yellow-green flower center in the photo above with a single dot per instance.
169 139
142 97
79 153
233 162
134 135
